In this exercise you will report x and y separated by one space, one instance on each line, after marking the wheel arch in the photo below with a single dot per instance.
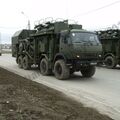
109 54
43 56
59 56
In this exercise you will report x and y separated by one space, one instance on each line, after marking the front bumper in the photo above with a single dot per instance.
80 64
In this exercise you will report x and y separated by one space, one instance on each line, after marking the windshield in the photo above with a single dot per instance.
84 37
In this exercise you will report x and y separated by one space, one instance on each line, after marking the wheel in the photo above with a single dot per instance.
88 72
26 65
110 62
20 62
44 67
61 71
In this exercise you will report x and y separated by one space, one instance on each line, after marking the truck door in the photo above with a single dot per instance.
65 45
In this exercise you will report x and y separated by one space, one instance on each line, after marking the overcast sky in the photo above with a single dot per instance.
92 14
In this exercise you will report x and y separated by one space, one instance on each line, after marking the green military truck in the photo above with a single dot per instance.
110 40
57 47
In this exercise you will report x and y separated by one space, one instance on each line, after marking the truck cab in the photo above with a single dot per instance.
80 44
80 49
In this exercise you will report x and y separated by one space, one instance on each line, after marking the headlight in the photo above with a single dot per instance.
99 55
78 56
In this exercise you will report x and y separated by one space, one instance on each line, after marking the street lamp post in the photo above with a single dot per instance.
28 20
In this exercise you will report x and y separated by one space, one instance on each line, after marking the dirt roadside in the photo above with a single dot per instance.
22 99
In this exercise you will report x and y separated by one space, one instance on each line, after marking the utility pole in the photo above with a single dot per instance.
28 24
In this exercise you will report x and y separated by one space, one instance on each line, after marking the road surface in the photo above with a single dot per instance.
102 91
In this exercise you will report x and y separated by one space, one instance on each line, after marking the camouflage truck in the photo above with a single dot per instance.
110 40
57 47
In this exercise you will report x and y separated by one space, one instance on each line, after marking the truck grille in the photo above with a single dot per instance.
88 56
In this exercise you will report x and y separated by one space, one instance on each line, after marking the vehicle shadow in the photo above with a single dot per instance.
116 68
79 77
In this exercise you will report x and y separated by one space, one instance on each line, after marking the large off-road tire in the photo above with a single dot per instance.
44 67
88 72
61 70
26 64
20 62
110 62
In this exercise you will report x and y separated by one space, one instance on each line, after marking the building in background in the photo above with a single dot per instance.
6 46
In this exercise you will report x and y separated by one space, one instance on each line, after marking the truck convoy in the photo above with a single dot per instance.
57 47
110 40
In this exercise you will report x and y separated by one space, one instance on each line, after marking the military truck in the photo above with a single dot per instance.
57 47
110 40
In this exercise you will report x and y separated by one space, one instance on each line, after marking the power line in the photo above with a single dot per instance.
97 9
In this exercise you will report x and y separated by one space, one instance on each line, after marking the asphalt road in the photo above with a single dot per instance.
102 91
